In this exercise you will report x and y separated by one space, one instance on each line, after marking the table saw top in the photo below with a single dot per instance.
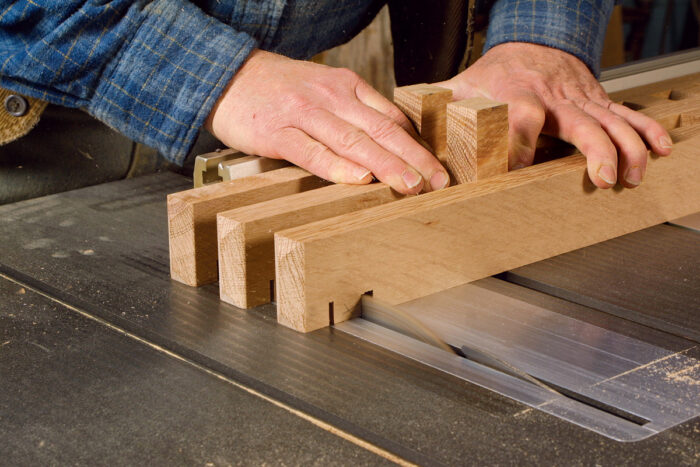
103 357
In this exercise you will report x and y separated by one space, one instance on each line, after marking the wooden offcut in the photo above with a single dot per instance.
192 217
477 139
425 105
421 245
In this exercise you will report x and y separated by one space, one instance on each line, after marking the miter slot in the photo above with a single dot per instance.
611 409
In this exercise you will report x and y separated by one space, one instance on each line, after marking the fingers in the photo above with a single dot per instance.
372 98
434 174
350 142
570 123
631 149
302 150
652 132
526 116
391 137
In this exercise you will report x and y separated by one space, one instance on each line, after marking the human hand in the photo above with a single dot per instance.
550 91
326 120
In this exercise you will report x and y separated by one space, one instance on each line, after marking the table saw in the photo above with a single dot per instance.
104 358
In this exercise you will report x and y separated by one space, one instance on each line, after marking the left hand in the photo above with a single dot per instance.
551 91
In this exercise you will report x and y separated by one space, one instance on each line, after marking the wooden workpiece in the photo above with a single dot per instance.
192 217
421 245
477 143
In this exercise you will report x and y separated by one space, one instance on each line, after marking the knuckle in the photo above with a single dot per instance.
297 102
350 139
314 154
347 74
383 128
527 113
397 116
384 164
609 119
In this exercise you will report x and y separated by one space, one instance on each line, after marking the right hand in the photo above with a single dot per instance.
326 120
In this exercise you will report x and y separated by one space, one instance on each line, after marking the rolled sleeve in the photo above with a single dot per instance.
577 27
162 85
152 70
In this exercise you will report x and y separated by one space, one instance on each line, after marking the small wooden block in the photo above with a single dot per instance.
424 105
192 217
477 139
246 235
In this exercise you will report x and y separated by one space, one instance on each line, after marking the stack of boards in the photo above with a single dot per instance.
317 247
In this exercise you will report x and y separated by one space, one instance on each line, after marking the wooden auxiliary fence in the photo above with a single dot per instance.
318 246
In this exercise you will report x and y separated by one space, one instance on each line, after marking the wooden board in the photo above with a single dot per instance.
246 235
425 244
192 217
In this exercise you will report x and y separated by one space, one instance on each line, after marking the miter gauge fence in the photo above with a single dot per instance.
621 387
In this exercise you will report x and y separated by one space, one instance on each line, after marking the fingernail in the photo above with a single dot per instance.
517 165
607 173
361 173
439 180
634 175
665 142
411 178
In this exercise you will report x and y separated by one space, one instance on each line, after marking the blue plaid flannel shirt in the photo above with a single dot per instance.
154 69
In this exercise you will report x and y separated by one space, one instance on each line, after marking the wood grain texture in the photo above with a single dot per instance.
477 139
421 245
246 235
425 105
192 217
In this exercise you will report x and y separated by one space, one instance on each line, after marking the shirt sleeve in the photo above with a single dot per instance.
152 70
574 26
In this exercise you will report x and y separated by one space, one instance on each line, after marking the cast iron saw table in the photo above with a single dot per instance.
104 359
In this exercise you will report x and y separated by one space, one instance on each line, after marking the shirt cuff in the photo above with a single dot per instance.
161 86
576 27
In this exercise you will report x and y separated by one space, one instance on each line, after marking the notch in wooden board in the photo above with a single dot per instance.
477 139
246 235
425 105
192 217
672 114
421 245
